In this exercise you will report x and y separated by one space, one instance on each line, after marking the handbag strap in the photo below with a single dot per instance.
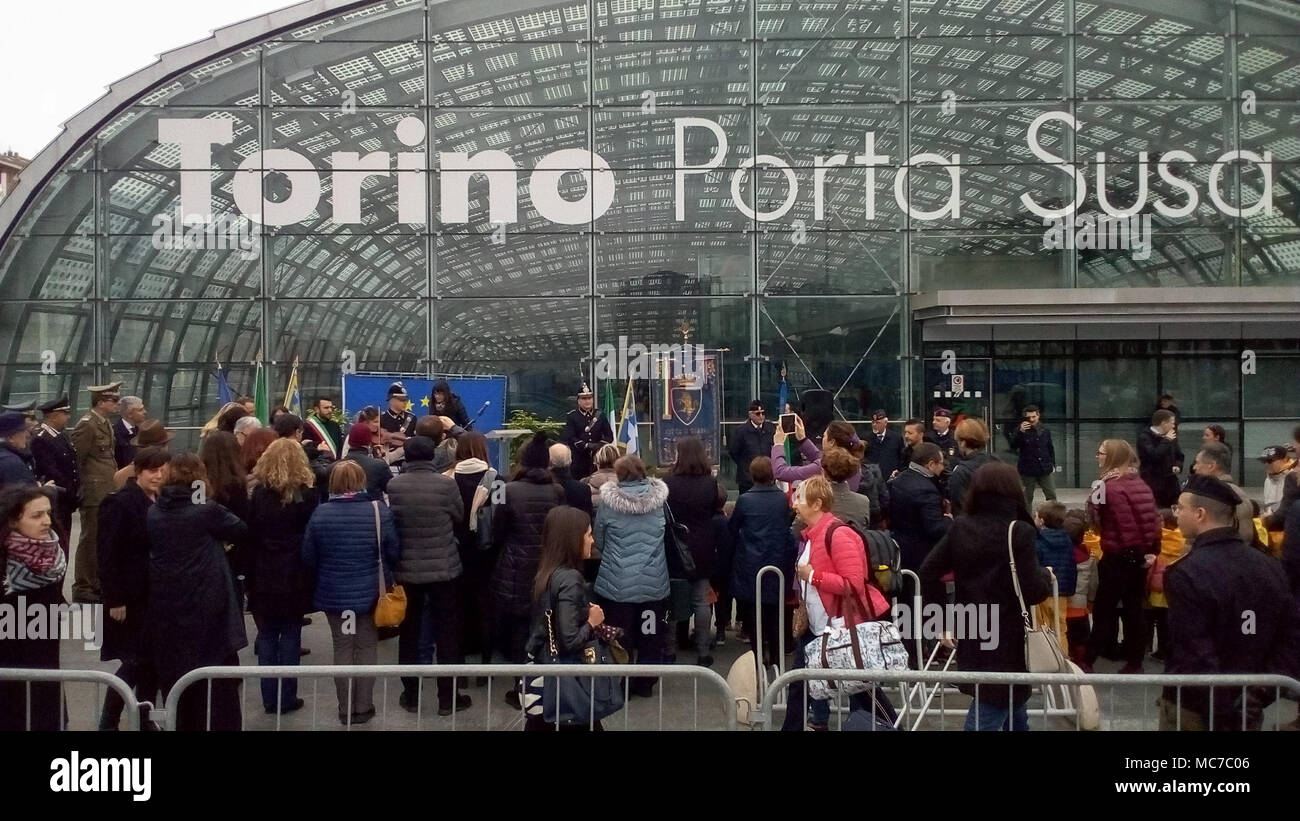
1015 577
379 543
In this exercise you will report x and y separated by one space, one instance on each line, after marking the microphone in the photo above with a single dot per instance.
470 426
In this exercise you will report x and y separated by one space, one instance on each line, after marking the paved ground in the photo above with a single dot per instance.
677 705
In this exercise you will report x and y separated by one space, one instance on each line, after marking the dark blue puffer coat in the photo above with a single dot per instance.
760 528
340 546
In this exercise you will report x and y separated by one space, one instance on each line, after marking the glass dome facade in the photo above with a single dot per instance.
874 152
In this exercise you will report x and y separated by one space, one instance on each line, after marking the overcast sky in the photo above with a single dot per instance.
58 56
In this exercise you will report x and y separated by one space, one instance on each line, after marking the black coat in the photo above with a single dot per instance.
692 500
427 507
887 454
760 532
195 619
746 442
124 447
962 473
517 529
947 442
15 467
576 494
56 461
916 516
123 546
453 408
377 472
585 434
1158 456
975 552
279 584
1037 455
1209 589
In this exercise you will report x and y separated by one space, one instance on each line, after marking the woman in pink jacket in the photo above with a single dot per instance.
832 574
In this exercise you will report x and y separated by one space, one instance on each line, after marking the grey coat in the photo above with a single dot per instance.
427 507
629 532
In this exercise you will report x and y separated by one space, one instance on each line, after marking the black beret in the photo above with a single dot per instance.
1210 488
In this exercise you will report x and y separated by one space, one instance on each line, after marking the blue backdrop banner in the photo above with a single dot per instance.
361 389
686 405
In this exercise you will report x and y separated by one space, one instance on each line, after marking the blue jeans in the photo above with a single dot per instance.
278 642
984 717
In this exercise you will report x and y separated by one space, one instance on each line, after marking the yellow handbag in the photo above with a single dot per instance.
390 608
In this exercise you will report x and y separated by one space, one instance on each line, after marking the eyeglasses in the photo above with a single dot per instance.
759 412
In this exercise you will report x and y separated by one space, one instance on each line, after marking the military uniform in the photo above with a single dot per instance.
94 442
56 461
585 433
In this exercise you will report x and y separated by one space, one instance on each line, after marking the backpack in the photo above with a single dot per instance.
884 559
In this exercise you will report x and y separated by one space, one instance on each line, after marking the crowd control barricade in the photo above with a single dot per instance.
767 673
103 682
718 703
1142 712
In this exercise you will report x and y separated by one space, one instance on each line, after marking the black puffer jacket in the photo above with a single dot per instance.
692 500
517 528
427 508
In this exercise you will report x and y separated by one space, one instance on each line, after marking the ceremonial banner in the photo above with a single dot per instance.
687 404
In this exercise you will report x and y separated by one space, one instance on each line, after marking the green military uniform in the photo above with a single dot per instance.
93 440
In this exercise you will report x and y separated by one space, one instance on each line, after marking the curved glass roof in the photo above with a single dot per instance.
80 272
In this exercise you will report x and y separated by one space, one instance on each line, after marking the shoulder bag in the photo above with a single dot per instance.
681 562
1042 653
390 608
577 699
480 522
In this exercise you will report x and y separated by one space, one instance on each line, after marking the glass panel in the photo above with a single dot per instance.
829 71
1269 66
387 266
673 264
833 19
991 134
676 20
382 338
628 138
1121 131
1205 387
847 347
1115 18
980 17
1270 258
228 80
988 68
169 332
947 260
357 74
540 345
647 201
64 206
25 381
697 73
38 327
473 264
1112 67
1118 386
48 267
509 74
828 262
133 141
1272 391
1177 257
159 267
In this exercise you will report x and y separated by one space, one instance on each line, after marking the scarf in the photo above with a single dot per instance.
1118 472
33 563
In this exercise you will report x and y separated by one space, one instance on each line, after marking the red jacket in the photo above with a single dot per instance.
1129 517
836 574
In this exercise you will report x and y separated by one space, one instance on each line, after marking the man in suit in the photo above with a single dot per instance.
1160 459
94 442
125 428
56 461
917 516
884 446
753 438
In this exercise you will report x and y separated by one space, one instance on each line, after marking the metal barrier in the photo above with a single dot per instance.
108 681
456 672
1276 683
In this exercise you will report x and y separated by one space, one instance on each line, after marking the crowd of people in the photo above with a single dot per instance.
303 516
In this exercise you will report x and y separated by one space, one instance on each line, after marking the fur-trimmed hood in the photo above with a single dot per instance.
636 497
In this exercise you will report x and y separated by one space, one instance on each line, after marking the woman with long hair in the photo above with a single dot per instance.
560 593
195 617
1129 524
975 550
227 485
839 434
34 566
279 584
692 498
255 444
224 415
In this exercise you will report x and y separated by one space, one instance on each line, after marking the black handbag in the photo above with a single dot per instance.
681 562
577 699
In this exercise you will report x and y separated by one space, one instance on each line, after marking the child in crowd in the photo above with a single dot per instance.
1157 606
1055 551
1087 550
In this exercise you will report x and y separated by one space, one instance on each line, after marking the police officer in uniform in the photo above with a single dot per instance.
56 461
397 419
93 440
585 431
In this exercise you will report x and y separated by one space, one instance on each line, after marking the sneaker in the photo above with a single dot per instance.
720 637
512 698
462 703
409 702
357 718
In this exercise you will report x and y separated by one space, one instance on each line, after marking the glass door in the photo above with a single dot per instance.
963 386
